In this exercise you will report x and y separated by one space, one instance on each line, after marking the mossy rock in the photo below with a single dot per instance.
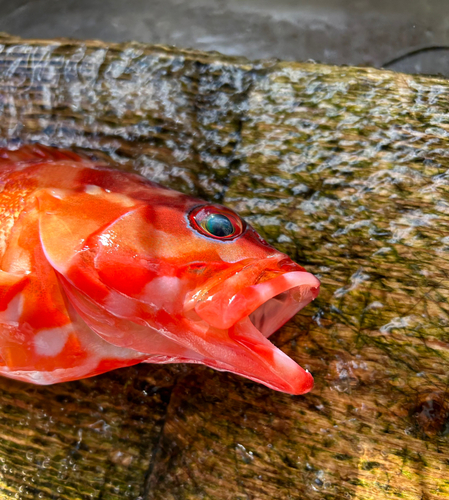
343 168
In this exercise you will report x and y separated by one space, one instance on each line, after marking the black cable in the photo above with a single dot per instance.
414 53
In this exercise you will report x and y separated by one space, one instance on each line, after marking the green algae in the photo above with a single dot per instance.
345 169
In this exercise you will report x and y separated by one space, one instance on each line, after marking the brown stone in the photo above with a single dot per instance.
343 168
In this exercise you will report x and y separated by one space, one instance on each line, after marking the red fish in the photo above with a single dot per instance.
101 269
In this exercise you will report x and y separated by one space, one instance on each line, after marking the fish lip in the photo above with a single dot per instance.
301 286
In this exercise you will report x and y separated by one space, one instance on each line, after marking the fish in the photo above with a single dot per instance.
102 268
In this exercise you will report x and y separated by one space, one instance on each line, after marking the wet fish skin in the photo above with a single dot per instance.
101 269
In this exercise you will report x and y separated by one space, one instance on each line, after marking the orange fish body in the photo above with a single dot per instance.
101 269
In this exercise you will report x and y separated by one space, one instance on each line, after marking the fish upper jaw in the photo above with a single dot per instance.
294 289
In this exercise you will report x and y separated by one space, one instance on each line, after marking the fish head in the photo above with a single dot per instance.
179 279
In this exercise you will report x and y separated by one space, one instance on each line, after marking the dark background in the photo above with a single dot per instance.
354 32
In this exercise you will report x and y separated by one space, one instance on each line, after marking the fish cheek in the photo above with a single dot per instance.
125 273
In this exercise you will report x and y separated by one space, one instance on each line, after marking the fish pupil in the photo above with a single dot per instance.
219 225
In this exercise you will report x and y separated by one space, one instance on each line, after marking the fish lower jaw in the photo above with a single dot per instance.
240 331
263 362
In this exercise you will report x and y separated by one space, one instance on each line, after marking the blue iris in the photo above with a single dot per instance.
218 225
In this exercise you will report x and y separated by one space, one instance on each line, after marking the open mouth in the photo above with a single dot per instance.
279 308
251 316
270 304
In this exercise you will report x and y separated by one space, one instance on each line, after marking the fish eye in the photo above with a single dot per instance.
215 222
218 225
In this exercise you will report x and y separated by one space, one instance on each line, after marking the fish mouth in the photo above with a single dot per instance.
250 316
282 306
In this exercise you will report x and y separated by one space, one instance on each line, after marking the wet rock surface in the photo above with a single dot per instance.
345 169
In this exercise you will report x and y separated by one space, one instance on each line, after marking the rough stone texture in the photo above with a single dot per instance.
343 168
